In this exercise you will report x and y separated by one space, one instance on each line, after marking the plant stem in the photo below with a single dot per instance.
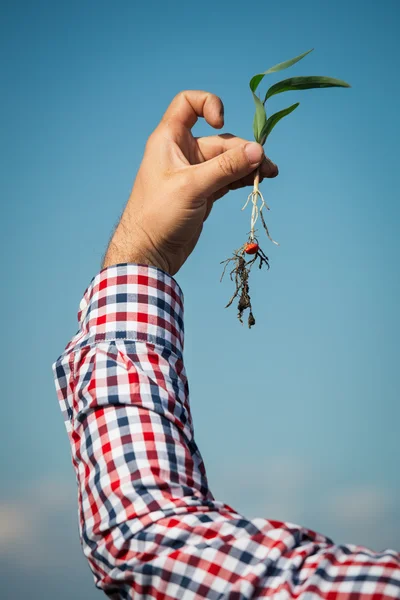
254 198
256 179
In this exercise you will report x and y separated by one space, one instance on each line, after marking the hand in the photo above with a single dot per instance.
178 181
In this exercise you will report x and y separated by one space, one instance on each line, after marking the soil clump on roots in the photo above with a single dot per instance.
240 276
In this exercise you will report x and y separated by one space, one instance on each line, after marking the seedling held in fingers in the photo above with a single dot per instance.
262 127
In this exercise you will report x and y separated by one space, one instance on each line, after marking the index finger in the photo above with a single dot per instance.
189 105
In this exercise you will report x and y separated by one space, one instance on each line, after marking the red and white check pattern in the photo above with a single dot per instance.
149 525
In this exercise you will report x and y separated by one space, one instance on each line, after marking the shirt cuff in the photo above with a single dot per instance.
134 302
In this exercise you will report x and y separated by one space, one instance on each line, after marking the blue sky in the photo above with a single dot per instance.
297 418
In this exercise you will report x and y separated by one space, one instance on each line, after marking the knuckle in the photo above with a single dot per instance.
174 104
227 164
180 96
209 96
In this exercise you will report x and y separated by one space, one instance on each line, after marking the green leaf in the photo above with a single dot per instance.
260 118
255 81
304 83
273 120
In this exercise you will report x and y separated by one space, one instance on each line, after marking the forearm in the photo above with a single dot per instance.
124 394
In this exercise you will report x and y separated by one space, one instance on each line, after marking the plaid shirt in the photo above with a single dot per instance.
149 524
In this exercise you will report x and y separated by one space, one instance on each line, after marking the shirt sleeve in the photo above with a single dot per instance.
148 522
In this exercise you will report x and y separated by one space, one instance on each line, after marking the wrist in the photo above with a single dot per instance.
121 251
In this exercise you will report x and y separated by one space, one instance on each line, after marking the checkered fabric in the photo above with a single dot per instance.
149 524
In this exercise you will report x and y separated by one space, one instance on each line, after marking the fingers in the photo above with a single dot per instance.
214 145
189 105
230 166
247 181
268 170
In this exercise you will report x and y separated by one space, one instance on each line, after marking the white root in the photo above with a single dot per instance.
255 212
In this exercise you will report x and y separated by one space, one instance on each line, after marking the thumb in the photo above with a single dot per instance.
212 175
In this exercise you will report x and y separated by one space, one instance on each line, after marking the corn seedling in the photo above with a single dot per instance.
262 127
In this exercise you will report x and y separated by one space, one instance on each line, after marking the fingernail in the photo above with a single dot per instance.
254 153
